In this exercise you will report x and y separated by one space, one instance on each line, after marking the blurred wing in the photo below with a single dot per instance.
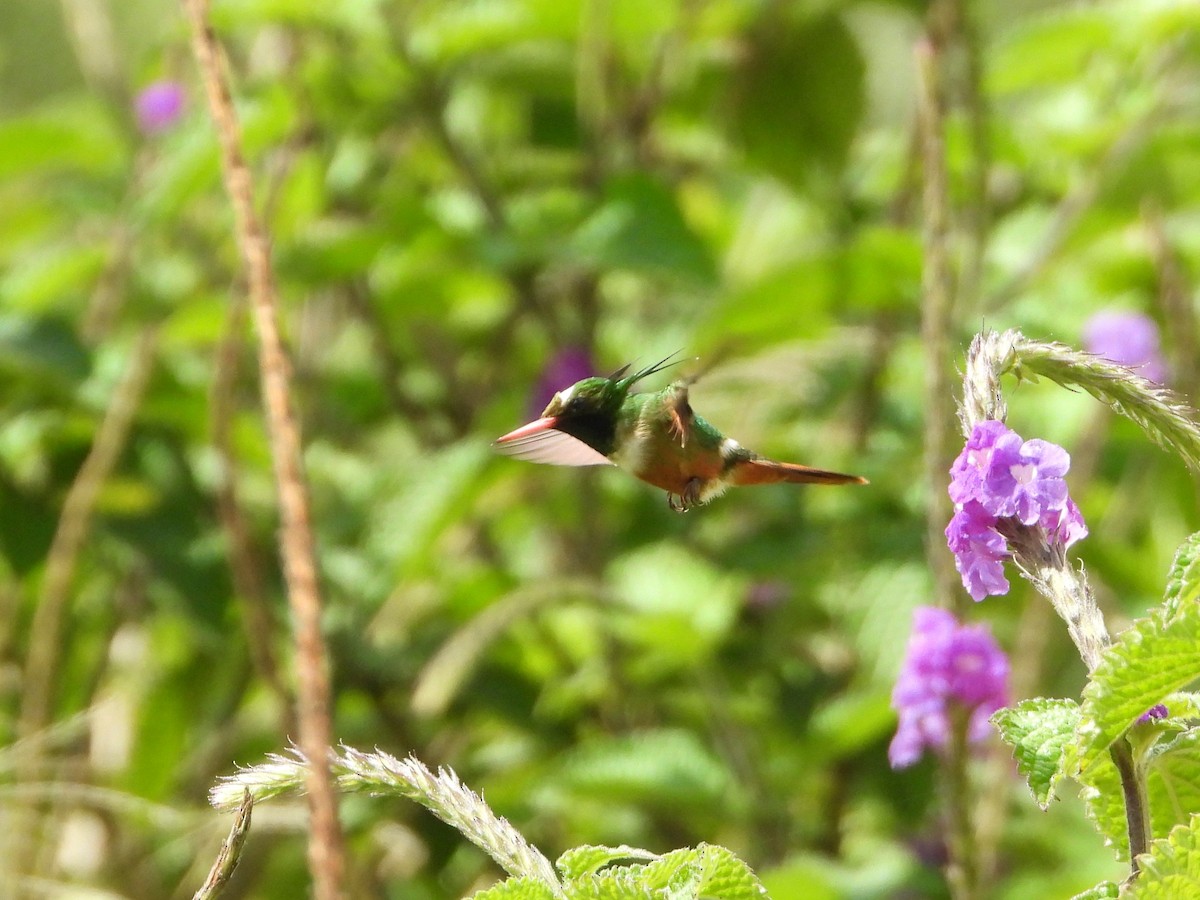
555 448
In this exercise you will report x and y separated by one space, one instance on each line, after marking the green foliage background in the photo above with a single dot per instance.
455 191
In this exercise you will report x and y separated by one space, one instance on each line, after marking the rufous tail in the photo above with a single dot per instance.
766 471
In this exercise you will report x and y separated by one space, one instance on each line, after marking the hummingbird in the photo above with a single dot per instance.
655 436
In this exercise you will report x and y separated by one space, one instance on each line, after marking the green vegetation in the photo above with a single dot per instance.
822 204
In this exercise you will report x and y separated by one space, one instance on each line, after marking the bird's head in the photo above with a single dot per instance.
579 425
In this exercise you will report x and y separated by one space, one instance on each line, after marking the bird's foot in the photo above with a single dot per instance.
688 499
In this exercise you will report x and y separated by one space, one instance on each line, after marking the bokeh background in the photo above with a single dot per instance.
468 203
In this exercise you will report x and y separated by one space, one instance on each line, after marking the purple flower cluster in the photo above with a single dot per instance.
159 105
945 665
1127 338
569 365
1157 711
1000 476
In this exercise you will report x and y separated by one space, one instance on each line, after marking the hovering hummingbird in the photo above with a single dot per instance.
654 436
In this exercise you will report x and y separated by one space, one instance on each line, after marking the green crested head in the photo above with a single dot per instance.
589 409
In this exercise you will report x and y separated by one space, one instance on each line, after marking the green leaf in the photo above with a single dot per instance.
52 277
1103 891
706 871
1149 660
517 889
1050 49
683 606
1183 581
1171 869
42 349
589 858
799 97
1039 731
71 137
612 884
764 312
1171 774
640 227
668 767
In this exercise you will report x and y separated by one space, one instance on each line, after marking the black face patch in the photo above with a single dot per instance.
585 420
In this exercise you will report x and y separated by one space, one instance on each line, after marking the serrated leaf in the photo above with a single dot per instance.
1103 891
589 858
1183 581
516 889
708 871
1039 731
1172 779
1183 705
727 877
1149 660
1171 869
622 883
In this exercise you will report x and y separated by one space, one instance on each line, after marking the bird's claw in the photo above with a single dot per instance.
689 498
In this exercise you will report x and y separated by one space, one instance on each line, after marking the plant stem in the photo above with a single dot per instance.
326 855
1137 812
937 290
74 524
962 871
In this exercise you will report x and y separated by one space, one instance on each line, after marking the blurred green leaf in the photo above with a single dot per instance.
1051 48
666 768
639 226
1106 890
799 95
66 137
42 348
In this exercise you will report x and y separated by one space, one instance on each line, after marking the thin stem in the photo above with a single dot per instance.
326 854
230 853
45 638
1137 811
937 290
962 871
245 567
977 213
1175 299
1043 563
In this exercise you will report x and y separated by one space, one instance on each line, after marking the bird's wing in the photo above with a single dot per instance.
555 448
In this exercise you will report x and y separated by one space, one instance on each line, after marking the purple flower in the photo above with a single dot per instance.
946 665
1066 525
1025 479
970 469
159 106
568 366
979 550
763 596
1000 476
1127 338
1158 711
